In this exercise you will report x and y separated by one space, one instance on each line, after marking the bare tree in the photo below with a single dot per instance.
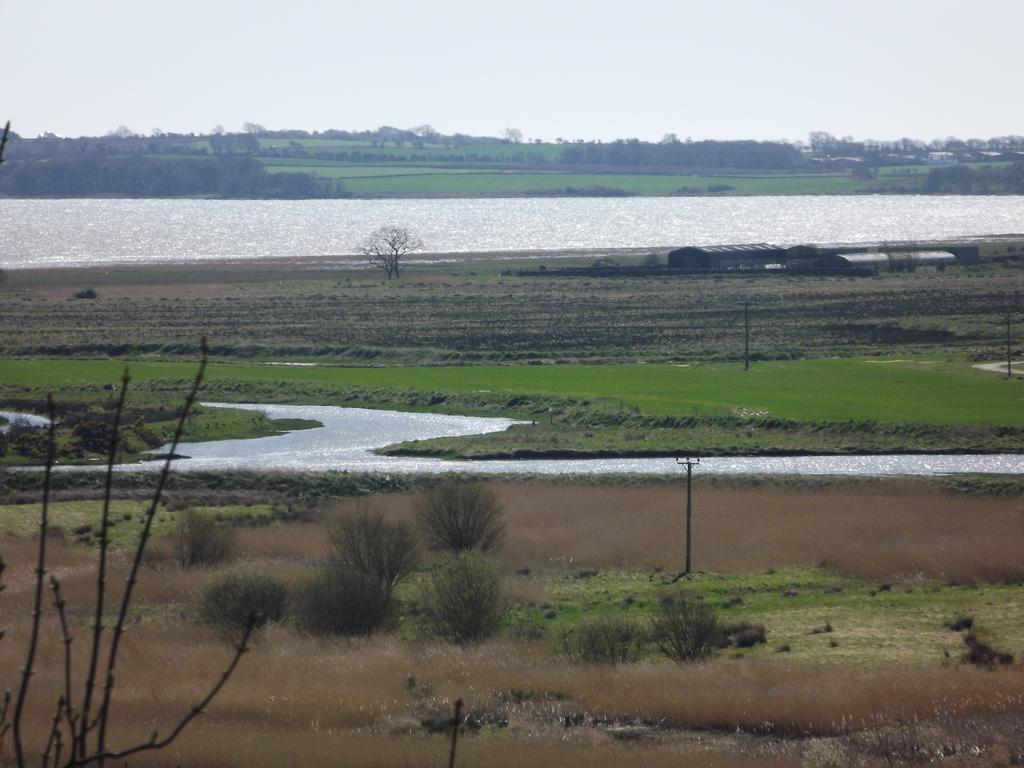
386 247
513 135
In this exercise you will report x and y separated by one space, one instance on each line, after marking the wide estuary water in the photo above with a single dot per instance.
349 435
37 233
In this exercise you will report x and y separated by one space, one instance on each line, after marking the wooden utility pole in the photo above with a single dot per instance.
689 464
746 336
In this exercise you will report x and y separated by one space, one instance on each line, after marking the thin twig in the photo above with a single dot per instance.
37 604
156 743
79 745
4 725
58 749
54 733
67 639
115 643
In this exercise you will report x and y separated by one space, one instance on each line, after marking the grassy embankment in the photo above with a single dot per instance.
857 651
821 406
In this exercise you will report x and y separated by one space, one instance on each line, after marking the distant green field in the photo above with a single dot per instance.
511 182
814 390
423 179
337 171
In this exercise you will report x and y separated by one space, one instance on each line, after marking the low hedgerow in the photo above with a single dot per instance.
230 601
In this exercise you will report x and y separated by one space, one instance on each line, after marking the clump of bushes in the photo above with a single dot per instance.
353 592
340 601
462 598
686 630
230 601
201 541
86 293
456 517
612 639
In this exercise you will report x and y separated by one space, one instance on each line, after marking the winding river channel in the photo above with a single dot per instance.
349 436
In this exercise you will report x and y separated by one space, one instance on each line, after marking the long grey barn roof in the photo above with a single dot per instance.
740 248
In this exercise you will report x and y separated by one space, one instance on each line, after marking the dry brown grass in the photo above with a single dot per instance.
869 532
292 541
298 700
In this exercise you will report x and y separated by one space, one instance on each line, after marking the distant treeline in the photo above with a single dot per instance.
964 180
137 176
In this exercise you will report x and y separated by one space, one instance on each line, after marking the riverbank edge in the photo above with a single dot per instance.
568 453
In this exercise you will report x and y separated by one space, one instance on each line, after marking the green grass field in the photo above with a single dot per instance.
814 390
511 182
422 178
351 171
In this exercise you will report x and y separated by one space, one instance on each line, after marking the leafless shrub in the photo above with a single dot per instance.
231 602
366 543
611 639
201 541
343 601
457 517
463 598
686 630
353 593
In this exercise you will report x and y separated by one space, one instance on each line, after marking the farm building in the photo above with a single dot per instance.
895 260
725 256
746 256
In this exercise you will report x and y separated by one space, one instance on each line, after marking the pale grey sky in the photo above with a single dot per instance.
700 68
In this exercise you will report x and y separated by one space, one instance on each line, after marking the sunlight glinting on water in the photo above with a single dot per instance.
84 232
349 435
